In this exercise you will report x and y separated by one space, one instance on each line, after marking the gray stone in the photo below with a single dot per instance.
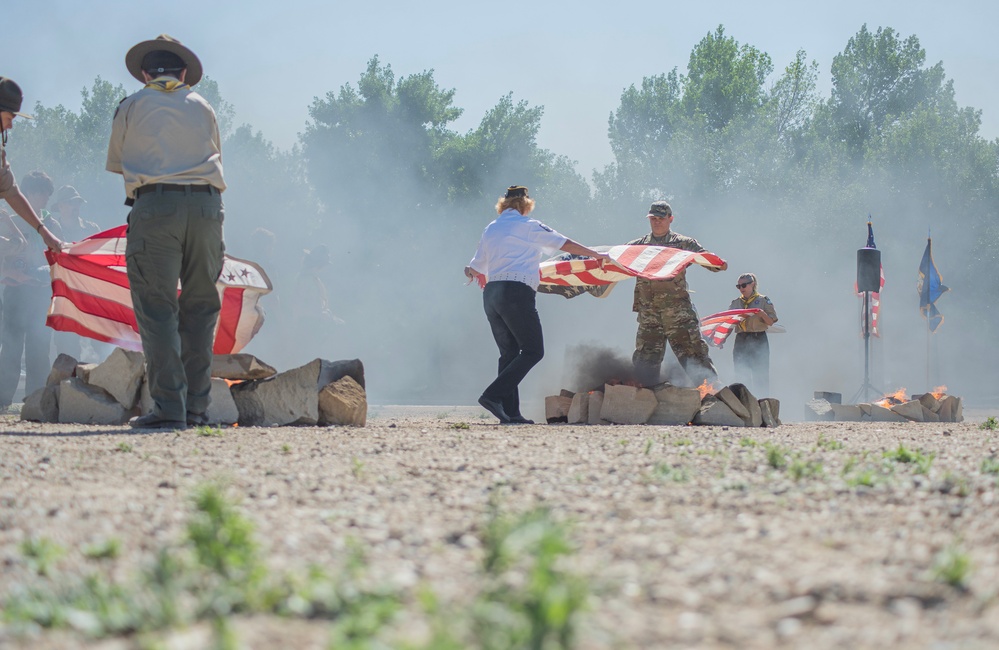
732 401
579 409
241 367
596 403
911 410
818 409
929 401
770 412
930 416
343 402
880 413
42 405
83 371
951 409
832 398
222 408
751 404
713 411
848 413
557 408
120 375
291 397
63 368
627 404
82 403
676 405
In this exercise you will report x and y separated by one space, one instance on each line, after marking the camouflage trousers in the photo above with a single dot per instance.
677 324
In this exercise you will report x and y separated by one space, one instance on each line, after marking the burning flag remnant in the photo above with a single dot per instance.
91 295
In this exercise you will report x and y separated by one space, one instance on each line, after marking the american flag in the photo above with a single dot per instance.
716 327
875 306
650 262
91 296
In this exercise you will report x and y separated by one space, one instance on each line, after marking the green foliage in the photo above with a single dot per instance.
108 549
952 566
990 424
528 600
41 554
990 465
123 447
776 455
748 442
460 426
828 444
799 469
677 474
207 431
921 460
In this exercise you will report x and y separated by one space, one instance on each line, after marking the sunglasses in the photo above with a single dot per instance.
743 285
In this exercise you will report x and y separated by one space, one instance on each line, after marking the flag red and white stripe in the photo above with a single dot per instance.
875 306
649 262
716 327
91 295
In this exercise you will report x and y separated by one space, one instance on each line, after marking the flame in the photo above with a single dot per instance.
706 389
898 397
230 382
939 392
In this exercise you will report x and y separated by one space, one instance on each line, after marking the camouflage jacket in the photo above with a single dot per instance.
657 294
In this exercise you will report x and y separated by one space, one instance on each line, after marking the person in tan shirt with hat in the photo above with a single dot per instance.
165 143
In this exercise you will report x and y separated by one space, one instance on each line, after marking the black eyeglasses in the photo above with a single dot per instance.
743 285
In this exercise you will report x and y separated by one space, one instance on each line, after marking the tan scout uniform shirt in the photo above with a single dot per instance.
755 323
648 292
7 182
192 155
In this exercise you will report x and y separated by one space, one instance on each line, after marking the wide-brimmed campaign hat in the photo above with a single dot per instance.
164 43
11 97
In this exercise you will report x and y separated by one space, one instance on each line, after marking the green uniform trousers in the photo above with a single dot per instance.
176 237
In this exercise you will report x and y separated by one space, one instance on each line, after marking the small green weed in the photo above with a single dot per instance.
799 469
208 431
41 553
990 465
123 447
990 424
748 442
776 456
286 449
921 460
829 444
683 442
866 477
109 549
648 446
356 467
952 566
460 426
677 474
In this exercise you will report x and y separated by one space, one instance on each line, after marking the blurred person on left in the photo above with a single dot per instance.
507 261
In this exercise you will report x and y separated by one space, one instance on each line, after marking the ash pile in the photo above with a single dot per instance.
245 391
935 406
663 404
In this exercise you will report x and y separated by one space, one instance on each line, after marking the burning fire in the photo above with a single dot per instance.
898 397
939 392
706 389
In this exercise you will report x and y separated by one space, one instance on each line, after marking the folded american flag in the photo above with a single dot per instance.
650 262
91 296
716 327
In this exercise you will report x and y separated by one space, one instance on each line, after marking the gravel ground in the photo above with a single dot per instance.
688 536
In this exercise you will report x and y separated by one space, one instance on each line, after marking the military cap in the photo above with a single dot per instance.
660 209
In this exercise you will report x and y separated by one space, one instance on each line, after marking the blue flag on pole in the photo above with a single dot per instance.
930 287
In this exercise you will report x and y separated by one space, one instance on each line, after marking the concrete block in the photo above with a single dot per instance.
715 412
240 367
87 404
627 404
42 405
343 402
750 403
64 367
120 375
579 408
675 405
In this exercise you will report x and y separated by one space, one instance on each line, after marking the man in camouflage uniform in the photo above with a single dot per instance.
665 312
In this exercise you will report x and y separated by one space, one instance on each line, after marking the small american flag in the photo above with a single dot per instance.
91 295
649 262
716 327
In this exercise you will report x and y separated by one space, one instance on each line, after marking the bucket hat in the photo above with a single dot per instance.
164 43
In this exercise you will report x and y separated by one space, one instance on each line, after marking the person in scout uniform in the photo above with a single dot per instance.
751 352
65 204
26 296
11 98
165 143
665 312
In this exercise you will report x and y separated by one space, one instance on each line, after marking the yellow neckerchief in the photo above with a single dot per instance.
746 301
166 84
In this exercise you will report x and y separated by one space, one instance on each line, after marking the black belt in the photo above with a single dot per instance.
168 187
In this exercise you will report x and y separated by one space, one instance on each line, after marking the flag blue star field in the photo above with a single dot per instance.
930 287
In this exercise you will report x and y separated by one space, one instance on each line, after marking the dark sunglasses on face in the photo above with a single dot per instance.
743 285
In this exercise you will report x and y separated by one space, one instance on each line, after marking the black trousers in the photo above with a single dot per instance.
516 327
751 357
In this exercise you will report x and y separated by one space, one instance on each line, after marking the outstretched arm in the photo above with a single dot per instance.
573 248
25 211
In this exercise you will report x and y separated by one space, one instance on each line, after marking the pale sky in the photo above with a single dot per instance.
272 58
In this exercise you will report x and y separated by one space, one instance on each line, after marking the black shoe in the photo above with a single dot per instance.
520 419
151 421
494 407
